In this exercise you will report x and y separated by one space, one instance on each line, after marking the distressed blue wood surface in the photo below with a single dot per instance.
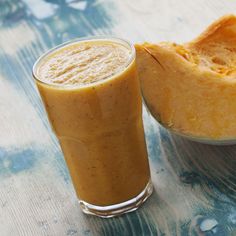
195 184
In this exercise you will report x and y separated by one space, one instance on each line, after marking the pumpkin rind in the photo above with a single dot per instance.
191 88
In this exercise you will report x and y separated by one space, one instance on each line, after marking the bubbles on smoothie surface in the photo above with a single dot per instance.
84 62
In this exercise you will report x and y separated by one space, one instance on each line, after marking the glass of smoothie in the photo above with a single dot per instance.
91 93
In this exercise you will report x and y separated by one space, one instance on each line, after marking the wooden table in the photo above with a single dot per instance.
195 184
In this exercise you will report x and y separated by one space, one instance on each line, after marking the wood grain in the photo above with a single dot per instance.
195 184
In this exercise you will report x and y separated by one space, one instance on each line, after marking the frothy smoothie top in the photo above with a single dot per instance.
83 63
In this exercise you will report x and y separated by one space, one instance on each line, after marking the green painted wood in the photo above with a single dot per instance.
195 184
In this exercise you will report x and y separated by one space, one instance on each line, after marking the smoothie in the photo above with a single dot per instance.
92 96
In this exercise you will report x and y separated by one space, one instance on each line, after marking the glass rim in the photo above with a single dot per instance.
84 39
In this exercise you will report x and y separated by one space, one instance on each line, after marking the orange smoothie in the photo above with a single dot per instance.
92 96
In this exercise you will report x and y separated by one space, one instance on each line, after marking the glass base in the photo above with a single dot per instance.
118 209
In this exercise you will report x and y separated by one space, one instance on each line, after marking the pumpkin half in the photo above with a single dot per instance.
191 88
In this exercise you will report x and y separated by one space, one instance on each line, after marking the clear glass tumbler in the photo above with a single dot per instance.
100 130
